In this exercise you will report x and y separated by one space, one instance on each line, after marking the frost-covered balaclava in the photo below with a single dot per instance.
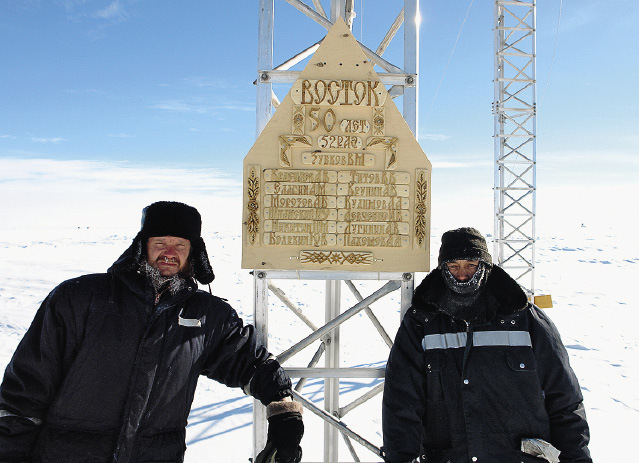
464 299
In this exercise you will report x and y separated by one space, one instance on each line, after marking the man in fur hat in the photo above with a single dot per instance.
477 373
108 369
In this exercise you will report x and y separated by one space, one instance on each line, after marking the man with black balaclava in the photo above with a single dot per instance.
477 373
108 368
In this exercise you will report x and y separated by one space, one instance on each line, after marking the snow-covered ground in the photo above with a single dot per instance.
587 258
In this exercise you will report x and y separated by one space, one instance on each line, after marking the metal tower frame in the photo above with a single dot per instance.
514 110
403 82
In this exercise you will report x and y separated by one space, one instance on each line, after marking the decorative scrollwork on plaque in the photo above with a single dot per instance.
390 145
421 195
336 257
299 118
379 121
253 206
288 141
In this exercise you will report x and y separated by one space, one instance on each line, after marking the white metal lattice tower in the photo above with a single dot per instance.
403 81
514 110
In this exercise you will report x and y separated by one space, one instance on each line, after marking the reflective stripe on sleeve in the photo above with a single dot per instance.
480 339
5 413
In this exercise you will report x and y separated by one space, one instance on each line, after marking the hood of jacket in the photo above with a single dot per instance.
503 293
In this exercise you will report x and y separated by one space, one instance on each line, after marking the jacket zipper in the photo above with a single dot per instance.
469 345
158 295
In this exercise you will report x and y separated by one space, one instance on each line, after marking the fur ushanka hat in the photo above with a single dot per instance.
463 243
168 218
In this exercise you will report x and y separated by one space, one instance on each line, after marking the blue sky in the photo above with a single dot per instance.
169 84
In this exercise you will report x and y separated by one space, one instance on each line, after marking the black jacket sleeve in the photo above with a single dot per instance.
403 402
569 430
238 360
33 374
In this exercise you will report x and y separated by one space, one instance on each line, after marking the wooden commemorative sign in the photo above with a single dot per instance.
337 180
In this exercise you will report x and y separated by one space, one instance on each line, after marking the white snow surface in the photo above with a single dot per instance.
587 259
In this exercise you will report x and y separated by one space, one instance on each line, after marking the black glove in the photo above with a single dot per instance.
285 431
267 455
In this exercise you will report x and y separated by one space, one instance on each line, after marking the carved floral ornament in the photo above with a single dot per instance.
379 121
421 196
390 145
288 141
253 205
336 257
299 119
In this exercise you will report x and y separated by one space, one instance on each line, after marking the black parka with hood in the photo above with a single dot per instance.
107 373
463 393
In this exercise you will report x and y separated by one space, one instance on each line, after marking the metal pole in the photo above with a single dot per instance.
282 297
380 329
408 288
359 401
263 115
411 63
497 129
264 63
534 149
338 10
331 385
260 318
316 358
350 447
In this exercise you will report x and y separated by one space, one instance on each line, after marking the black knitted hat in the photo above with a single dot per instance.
168 218
463 243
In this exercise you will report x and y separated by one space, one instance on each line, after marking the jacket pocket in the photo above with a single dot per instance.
58 445
525 458
430 455
166 447
521 360
434 361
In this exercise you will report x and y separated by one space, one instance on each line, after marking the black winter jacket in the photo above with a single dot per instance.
459 393
106 374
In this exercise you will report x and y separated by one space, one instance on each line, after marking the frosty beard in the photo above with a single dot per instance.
174 283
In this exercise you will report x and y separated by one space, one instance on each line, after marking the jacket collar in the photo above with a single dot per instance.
504 295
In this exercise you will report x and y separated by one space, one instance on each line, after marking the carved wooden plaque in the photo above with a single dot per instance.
336 180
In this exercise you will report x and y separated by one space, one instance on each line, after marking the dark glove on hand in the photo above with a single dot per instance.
285 430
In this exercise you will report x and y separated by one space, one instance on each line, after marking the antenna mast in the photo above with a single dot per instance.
515 113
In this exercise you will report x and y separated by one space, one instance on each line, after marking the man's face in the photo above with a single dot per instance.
168 254
463 270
